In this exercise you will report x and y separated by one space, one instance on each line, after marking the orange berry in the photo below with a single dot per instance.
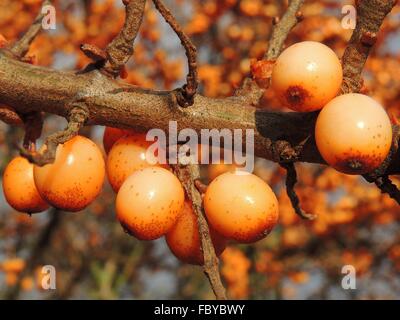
353 134
149 203
184 238
241 206
19 187
307 76
215 170
127 156
75 178
111 135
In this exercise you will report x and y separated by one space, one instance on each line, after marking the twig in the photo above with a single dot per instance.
121 48
282 28
77 118
21 47
291 180
188 174
370 16
185 95
33 123
10 117
380 176
387 186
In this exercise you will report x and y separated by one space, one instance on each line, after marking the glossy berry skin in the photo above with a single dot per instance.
353 134
241 206
112 135
75 178
184 238
19 187
127 156
306 76
149 203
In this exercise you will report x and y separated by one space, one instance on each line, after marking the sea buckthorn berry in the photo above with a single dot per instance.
19 187
353 134
111 135
307 76
128 155
75 178
149 203
241 206
184 238
215 170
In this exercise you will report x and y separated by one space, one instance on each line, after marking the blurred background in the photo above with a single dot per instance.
95 259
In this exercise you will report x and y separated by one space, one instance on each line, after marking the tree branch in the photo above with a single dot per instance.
282 28
370 16
121 48
188 174
184 95
21 47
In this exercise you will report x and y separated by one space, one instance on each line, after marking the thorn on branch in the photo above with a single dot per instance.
184 95
77 118
21 47
291 180
119 51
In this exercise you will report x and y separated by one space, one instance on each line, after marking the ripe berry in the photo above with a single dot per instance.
75 178
19 187
184 238
241 206
307 76
149 203
353 134
127 156
215 170
111 135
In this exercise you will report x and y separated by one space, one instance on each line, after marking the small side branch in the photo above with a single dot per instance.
77 119
291 180
188 175
10 117
370 16
21 47
387 186
121 48
185 95
282 28
33 122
